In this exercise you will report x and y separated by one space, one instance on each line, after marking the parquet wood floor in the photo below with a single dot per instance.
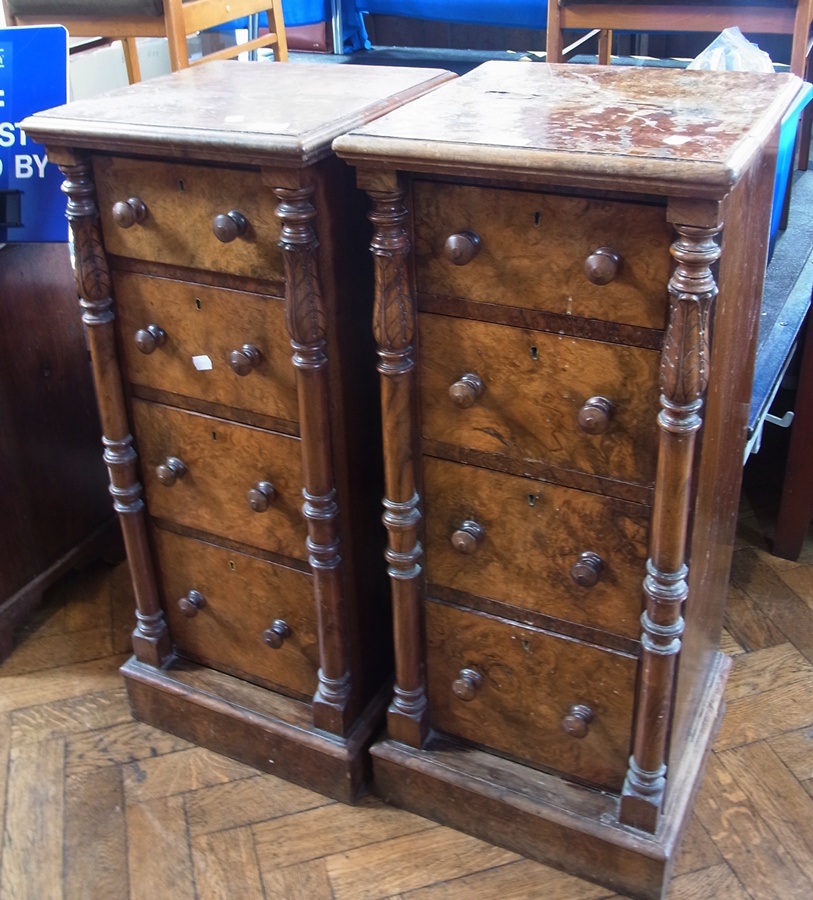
98 806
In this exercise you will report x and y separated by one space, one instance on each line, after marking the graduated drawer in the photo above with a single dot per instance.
181 201
218 345
222 462
536 390
552 702
533 248
572 555
240 614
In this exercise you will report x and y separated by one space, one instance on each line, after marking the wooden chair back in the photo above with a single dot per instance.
172 19
791 17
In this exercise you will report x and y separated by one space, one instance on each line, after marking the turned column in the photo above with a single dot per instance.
151 642
394 328
683 380
305 320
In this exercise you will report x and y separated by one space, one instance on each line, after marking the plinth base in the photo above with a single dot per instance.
255 726
543 816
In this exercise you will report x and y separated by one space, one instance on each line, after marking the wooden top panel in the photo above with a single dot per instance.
650 128
236 110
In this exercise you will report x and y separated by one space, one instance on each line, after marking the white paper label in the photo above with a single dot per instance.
202 363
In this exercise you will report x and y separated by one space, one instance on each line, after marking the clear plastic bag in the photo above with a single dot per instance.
731 51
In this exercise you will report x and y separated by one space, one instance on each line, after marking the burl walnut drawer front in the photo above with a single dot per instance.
171 212
569 554
553 702
218 345
559 400
240 614
599 259
230 480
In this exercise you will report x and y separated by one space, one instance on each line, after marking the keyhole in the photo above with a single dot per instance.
232 567
197 302
534 353
214 435
526 646
181 185
537 218
531 499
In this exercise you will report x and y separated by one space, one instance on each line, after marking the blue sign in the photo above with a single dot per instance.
33 77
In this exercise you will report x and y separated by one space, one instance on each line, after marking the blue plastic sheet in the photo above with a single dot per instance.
475 12
309 12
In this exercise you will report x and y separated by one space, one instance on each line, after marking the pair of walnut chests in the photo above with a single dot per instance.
564 289
221 259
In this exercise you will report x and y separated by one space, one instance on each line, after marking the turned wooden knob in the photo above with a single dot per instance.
276 634
467 683
149 339
191 603
468 537
127 213
587 569
461 248
595 415
602 266
577 721
227 227
464 392
245 360
261 496
170 470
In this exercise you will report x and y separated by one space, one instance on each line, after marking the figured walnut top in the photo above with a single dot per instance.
647 126
235 110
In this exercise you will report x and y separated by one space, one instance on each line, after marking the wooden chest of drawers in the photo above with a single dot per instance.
214 234
569 265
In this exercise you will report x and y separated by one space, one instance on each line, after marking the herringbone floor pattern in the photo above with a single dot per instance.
98 806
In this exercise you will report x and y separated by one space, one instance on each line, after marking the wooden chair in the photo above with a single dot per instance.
791 17
127 20
601 17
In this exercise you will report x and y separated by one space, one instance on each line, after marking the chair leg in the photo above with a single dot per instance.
128 45
276 23
175 25
605 47
796 504
554 39
806 122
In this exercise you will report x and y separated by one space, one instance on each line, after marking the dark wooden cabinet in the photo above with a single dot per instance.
227 291
569 264
55 510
